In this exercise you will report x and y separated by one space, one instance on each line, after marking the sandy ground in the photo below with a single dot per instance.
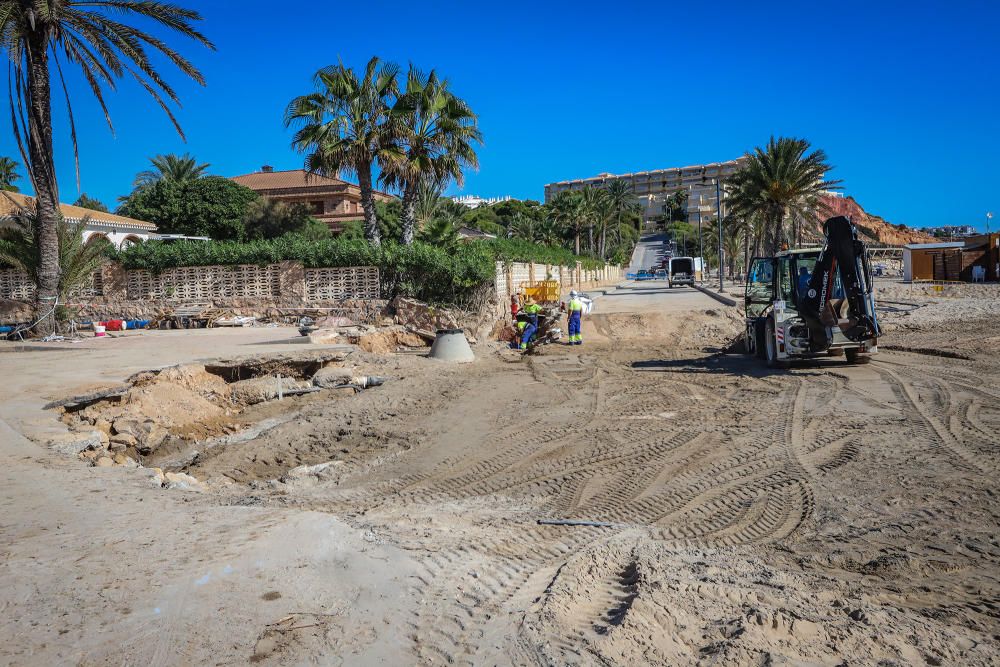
827 514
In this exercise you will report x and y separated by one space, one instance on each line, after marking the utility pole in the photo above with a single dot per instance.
718 215
701 241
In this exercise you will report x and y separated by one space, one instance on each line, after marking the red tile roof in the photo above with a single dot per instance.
10 201
293 179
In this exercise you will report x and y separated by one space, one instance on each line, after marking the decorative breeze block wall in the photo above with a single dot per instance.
354 282
16 285
203 283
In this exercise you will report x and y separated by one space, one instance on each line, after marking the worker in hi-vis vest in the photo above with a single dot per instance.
531 310
575 313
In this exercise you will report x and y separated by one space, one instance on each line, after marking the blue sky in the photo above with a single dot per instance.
904 97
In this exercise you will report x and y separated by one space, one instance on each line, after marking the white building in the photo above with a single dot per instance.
653 189
472 201
117 229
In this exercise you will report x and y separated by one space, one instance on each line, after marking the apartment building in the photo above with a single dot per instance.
474 201
652 188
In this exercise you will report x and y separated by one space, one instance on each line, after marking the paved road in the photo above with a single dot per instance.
648 252
653 295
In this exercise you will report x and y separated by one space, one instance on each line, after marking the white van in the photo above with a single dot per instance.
683 271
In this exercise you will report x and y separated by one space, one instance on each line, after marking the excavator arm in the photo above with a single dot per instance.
847 303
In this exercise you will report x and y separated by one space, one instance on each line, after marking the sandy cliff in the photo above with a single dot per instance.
873 227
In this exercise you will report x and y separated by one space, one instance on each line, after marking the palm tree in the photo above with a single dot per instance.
427 203
549 233
596 211
85 201
346 128
524 227
438 130
567 212
8 174
622 200
430 203
441 231
781 181
77 260
171 168
92 36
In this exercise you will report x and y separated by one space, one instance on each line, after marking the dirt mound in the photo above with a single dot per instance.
713 327
387 341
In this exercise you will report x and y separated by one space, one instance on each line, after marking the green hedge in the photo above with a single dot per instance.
421 271
518 250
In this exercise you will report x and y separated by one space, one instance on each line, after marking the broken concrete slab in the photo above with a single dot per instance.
325 337
72 443
82 400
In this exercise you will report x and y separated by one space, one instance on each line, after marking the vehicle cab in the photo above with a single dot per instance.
774 329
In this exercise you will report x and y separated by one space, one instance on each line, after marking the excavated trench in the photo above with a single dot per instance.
164 418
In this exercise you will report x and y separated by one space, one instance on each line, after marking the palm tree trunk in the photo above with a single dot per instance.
409 217
368 204
604 239
43 178
746 249
775 233
590 238
577 241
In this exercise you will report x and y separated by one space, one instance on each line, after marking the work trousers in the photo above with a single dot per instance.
574 328
529 331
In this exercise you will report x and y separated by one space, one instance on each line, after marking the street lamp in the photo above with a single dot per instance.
718 217
989 216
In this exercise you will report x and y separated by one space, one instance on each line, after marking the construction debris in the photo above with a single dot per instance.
166 416
75 402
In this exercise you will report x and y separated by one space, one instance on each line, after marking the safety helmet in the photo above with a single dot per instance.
573 294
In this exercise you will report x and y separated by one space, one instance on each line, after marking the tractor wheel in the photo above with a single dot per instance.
759 336
855 356
771 346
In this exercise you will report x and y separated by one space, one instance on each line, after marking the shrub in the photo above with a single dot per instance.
212 206
518 250
422 271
